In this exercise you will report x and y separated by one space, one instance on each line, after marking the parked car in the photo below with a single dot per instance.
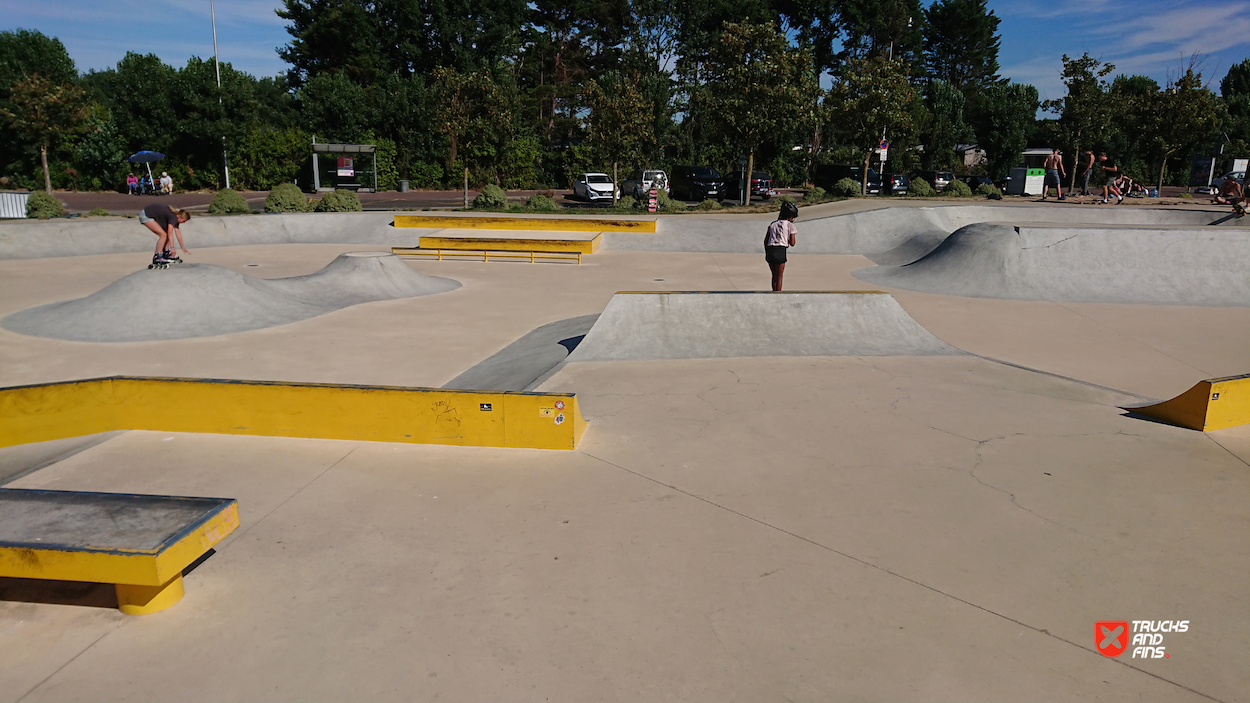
761 186
829 174
594 186
895 183
937 179
975 182
697 183
641 183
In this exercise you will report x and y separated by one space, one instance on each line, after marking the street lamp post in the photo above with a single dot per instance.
225 161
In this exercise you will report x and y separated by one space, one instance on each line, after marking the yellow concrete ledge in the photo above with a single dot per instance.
325 411
582 246
555 224
1213 404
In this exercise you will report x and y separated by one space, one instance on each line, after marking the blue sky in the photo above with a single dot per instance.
1150 37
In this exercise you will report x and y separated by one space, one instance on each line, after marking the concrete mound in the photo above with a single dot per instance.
200 300
710 325
1126 265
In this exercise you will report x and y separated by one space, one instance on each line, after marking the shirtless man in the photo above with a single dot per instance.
1054 170
1087 170
1231 194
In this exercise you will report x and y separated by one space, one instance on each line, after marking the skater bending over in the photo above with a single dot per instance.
778 238
165 222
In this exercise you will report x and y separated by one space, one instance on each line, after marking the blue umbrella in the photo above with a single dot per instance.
146 157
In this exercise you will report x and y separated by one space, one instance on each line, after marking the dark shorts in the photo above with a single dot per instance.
775 255
1052 176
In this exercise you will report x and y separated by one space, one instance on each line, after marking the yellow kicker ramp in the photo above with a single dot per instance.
512 419
1213 404
554 224
77 536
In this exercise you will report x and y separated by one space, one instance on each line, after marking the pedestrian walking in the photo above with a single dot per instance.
1110 174
165 222
778 238
1054 170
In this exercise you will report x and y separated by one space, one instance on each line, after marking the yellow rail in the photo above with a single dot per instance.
487 254
324 411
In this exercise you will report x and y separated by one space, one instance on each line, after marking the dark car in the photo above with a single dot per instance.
895 183
975 182
761 186
829 174
696 183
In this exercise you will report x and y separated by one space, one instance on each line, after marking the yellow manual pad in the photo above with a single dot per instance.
140 543
315 410
1213 404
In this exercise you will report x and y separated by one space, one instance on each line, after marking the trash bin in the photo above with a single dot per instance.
403 186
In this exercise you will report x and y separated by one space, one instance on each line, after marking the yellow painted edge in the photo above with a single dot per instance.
65 565
322 411
506 244
557 224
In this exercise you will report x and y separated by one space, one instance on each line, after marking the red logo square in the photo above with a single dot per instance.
1111 637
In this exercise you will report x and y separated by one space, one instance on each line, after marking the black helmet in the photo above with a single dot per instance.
789 210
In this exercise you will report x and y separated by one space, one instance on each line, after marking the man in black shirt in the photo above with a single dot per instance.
1110 172
165 223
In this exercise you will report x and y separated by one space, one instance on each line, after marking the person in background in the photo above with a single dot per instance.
1054 172
778 238
1087 170
132 184
1110 174
167 183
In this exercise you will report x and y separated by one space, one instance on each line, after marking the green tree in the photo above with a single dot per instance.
961 44
468 110
100 153
1004 116
43 112
889 28
870 97
619 123
1087 112
335 109
947 128
758 86
1183 114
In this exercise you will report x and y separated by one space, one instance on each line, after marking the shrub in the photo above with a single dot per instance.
847 188
816 193
987 190
920 187
339 201
542 203
710 205
425 175
665 203
41 205
228 201
627 202
958 189
491 196
98 212
1185 196
286 197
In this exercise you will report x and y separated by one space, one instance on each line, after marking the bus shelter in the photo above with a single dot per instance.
342 169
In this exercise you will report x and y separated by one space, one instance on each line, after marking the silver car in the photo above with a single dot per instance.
642 182
594 186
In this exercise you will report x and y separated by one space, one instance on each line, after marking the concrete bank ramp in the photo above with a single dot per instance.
200 300
712 325
1126 265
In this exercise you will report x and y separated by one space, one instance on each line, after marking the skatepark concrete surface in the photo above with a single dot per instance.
859 527
199 300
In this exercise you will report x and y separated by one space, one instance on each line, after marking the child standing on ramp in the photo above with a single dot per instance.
778 238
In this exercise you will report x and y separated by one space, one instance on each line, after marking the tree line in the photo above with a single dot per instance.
527 93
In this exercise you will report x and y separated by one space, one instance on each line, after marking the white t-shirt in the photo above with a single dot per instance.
779 232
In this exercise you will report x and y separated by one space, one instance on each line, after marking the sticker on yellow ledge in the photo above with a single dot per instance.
546 412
